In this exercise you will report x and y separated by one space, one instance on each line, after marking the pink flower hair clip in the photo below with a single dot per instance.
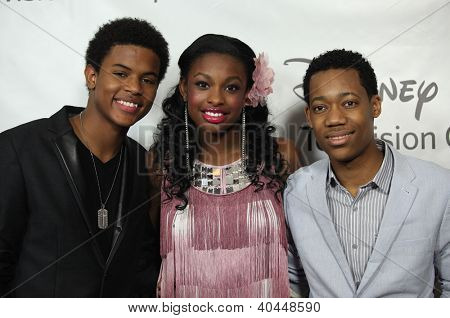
263 77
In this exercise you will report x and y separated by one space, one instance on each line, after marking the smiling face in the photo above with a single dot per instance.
124 89
215 89
341 115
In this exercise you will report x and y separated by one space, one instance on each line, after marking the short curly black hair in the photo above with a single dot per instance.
127 31
342 59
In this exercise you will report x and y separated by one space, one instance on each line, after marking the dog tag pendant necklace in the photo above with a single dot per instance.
102 213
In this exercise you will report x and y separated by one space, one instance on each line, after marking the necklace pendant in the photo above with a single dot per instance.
102 218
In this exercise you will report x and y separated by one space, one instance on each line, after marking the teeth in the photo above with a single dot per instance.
213 114
128 104
339 137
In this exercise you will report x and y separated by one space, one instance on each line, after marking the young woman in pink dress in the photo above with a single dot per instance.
222 227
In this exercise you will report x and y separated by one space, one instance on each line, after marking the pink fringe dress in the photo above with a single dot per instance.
230 241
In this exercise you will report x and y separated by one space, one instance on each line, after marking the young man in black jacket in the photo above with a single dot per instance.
74 191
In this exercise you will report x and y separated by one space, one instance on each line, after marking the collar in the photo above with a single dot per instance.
383 177
59 122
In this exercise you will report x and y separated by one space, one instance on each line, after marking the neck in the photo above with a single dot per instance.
359 171
221 148
103 138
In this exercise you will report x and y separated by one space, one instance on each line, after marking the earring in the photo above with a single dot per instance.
188 165
243 156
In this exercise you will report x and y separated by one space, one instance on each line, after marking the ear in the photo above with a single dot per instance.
182 86
91 76
308 115
376 105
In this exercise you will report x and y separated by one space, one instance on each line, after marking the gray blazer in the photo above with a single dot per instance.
413 239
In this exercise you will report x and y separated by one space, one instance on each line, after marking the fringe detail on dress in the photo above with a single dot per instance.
233 246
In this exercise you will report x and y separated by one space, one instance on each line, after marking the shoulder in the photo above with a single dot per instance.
26 128
310 170
134 145
302 176
151 160
154 169
289 152
426 172
32 131
137 159
138 155
26 142
24 134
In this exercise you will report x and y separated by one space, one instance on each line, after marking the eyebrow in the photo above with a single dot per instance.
126 67
343 94
228 78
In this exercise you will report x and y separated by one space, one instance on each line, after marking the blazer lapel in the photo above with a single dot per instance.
401 197
121 222
316 196
66 150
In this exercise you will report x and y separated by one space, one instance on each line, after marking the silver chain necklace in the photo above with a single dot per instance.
102 213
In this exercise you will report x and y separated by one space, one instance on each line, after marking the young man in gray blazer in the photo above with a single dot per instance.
368 221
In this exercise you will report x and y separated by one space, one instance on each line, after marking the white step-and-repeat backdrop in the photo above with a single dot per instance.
407 41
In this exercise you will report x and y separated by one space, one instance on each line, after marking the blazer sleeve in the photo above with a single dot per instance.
297 279
443 253
149 259
149 263
13 212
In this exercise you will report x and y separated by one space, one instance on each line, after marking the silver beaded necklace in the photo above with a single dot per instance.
102 213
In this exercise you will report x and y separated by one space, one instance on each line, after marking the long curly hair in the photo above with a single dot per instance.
261 148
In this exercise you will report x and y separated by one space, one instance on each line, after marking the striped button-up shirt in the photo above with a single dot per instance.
357 219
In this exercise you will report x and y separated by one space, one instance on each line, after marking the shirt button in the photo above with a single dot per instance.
355 209
354 246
